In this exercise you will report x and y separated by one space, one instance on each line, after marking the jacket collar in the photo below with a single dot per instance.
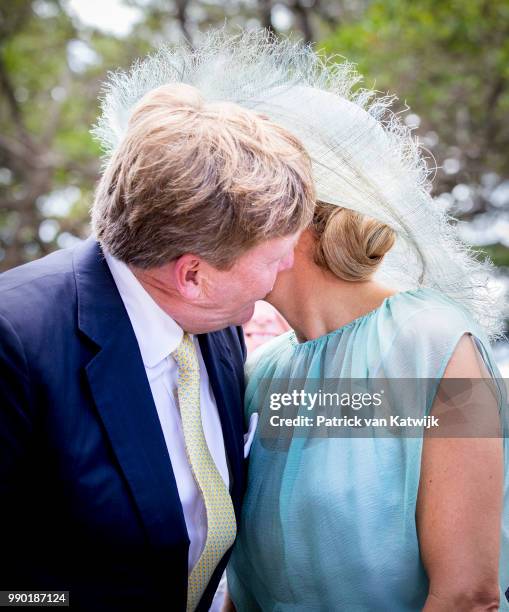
158 335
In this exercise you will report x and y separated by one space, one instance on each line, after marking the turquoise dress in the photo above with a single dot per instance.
328 523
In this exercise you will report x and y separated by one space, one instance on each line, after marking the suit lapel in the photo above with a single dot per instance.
124 400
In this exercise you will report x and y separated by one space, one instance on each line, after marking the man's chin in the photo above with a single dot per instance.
268 298
245 315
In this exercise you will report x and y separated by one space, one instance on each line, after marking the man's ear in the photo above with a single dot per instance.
188 273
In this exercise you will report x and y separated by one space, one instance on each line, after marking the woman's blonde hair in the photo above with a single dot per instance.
209 178
349 244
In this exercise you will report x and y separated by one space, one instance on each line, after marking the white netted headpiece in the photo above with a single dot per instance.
364 157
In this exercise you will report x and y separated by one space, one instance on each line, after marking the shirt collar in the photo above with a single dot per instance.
158 335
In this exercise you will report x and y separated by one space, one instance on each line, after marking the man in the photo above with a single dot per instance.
121 381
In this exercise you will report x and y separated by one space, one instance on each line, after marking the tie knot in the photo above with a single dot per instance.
185 354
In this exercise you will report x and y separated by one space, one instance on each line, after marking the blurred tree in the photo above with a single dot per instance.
49 76
450 62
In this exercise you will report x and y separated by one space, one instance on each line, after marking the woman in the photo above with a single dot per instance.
381 289
367 523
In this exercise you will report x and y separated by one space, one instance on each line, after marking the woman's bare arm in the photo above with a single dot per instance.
459 509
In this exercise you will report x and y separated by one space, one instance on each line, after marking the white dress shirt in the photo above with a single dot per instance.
158 335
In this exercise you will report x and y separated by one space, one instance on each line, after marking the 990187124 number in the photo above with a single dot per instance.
34 598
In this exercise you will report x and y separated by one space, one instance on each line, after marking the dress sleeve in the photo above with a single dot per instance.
420 346
420 339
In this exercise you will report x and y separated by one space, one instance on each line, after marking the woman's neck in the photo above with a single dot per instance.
318 303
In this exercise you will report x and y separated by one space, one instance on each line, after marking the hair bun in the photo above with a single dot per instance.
350 245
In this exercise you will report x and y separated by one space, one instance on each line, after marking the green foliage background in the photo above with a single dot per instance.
447 60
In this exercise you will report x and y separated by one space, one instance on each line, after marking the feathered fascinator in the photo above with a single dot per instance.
364 157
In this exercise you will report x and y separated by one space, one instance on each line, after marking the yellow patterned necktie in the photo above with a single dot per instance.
221 524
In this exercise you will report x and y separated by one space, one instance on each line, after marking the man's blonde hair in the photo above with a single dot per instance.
208 178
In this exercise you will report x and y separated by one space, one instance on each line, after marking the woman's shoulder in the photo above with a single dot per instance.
420 330
426 311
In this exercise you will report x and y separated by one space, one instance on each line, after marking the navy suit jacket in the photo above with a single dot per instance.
88 499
